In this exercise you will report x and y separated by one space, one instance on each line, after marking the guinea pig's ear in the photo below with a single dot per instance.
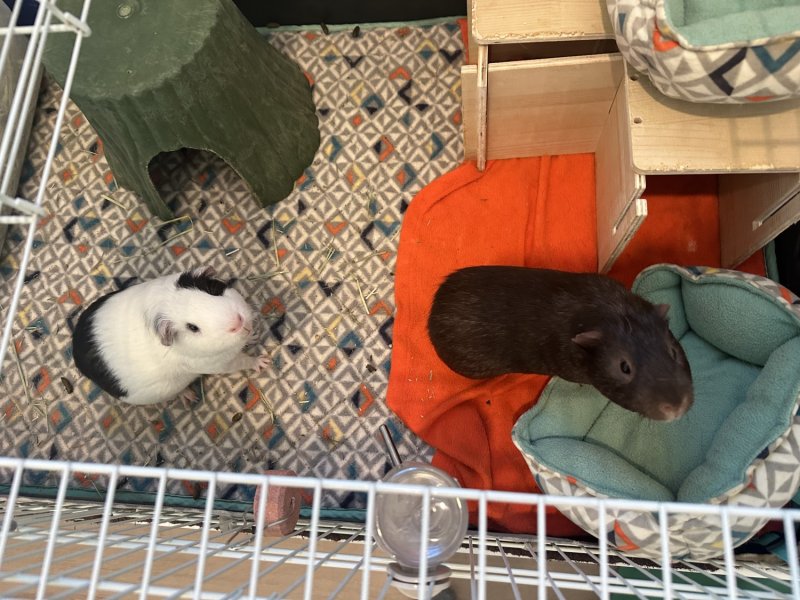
662 310
204 272
588 339
165 330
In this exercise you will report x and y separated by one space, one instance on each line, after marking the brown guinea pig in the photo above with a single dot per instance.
583 327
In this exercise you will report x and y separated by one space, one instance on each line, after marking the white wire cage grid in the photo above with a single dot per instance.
60 548
49 20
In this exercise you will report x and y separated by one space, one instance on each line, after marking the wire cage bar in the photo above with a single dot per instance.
58 543
49 20
60 547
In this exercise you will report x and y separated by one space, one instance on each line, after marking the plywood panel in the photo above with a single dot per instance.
482 82
472 48
620 211
508 21
624 232
553 106
753 210
674 136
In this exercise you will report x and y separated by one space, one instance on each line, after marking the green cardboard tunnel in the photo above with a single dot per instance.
158 76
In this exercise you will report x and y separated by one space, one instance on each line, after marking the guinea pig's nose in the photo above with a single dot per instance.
670 412
237 324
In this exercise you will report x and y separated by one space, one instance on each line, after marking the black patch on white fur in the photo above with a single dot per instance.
86 352
204 283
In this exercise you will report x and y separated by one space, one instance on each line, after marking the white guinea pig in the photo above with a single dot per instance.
147 343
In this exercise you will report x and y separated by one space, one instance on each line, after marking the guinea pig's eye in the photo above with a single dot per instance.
625 367
192 327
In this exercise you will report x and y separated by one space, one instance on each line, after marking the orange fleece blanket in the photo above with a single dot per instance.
536 212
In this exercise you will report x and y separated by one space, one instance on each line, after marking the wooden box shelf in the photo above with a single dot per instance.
549 106
597 103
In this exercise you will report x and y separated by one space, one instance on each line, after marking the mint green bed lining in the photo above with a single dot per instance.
713 22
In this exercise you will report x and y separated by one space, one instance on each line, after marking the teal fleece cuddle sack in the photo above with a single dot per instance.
738 444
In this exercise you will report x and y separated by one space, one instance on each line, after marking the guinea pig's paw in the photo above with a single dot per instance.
262 362
189 398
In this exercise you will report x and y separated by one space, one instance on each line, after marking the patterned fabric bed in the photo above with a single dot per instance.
725 51
738 444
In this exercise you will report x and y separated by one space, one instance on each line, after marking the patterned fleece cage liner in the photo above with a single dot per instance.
770 481
730 72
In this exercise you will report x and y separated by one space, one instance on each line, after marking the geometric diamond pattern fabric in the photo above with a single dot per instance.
760 70
318 267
